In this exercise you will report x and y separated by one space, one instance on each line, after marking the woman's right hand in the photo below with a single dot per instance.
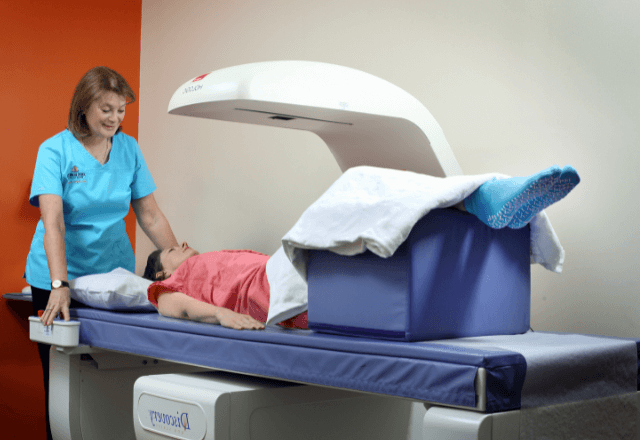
231 319
59 301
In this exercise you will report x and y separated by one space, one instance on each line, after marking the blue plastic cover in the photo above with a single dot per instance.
420 371
452 277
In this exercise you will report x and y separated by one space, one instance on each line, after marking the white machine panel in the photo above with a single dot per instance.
192 406
176 418
363 119
226 406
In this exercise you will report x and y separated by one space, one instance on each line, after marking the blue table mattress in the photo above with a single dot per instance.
422 371
419 371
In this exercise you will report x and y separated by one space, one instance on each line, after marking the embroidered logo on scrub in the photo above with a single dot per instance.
75 176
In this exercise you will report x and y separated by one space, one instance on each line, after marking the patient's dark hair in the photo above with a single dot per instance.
154 265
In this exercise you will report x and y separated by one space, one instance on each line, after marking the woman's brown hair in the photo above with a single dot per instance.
95 82
154 265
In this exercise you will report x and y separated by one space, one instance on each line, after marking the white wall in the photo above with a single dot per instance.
515 85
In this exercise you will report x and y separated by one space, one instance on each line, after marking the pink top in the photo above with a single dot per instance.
233 279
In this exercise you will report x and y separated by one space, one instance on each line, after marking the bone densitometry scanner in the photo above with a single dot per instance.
363 119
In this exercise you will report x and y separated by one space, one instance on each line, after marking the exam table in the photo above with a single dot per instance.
471 389
473 392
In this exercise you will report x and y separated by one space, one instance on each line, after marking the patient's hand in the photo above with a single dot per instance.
231 319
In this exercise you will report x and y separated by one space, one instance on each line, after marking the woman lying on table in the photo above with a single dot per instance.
230 287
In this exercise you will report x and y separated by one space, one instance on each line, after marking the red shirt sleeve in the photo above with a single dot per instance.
175 283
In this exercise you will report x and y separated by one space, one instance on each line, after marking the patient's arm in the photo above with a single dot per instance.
180 305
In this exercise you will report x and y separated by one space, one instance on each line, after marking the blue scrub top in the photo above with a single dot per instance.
95 200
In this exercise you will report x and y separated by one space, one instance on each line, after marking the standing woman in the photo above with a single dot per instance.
85 179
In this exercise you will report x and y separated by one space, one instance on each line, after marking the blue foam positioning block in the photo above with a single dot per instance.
453 277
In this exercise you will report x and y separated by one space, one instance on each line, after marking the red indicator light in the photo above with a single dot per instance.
199 78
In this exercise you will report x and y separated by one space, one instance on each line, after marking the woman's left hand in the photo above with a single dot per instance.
59 301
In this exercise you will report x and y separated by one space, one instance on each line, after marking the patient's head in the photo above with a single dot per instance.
161 264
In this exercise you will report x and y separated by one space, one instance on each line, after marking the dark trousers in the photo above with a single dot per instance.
40 300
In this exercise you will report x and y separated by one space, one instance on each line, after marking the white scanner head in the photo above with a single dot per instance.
364 120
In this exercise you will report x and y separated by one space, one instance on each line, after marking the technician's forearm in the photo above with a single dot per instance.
159 231
55 249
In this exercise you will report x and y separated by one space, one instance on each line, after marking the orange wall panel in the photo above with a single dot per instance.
46 48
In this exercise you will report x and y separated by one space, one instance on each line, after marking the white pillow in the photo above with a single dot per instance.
116 290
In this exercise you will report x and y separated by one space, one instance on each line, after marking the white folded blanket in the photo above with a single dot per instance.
375 209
